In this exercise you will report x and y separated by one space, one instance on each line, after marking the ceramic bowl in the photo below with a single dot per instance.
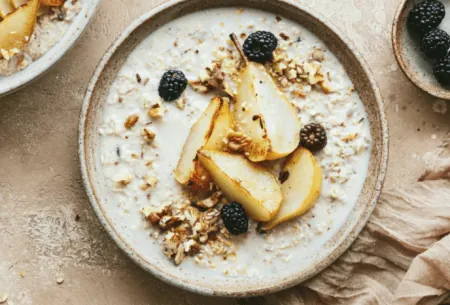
138 246
410 58
9 84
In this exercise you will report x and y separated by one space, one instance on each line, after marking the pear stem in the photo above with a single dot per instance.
238 46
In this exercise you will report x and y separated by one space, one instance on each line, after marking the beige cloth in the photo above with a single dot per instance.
402 257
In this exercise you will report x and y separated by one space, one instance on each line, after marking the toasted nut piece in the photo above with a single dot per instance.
181 103
148 134
237 141
154 218
157 111
318 55
131 121
209 202
180 255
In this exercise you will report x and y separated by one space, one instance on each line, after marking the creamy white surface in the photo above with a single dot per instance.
292 244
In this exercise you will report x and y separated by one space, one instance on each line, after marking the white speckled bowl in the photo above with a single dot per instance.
137 244
410 58
9 84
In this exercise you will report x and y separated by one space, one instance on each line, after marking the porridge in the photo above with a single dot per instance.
45 27
196 116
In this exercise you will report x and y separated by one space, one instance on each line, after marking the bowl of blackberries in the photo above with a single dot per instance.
421 43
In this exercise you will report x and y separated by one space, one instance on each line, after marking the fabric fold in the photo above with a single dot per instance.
402 256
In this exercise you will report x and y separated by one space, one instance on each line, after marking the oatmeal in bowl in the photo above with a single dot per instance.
231 143
35 33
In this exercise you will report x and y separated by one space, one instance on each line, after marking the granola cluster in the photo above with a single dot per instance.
212 78
294 71
221 75
192 229
300 75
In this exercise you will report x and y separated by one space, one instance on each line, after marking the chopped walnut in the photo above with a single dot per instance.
278 56
188 230
318 55
237 141
131 121
280 67
209 202
154 218
180 255
181 103
212 78
284 82
148 134
295 72
292 74
198 87
311 71
168 221
157 110
154 214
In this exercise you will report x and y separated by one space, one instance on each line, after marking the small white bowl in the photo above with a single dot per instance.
410 58
11 83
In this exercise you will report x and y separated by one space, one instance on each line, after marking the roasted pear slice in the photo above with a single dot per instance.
17 28
301 179
206 131
264 114
5 8
247 183
18 3
222 126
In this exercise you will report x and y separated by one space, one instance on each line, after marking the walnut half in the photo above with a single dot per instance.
237 141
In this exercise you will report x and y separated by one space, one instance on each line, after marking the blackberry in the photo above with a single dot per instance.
172 85
234 218
313 137
259 46
426 16
441 70
435 44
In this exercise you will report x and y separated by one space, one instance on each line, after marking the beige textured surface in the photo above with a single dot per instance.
40 185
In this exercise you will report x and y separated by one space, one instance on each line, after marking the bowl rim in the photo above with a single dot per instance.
398 27
10 84
194 287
